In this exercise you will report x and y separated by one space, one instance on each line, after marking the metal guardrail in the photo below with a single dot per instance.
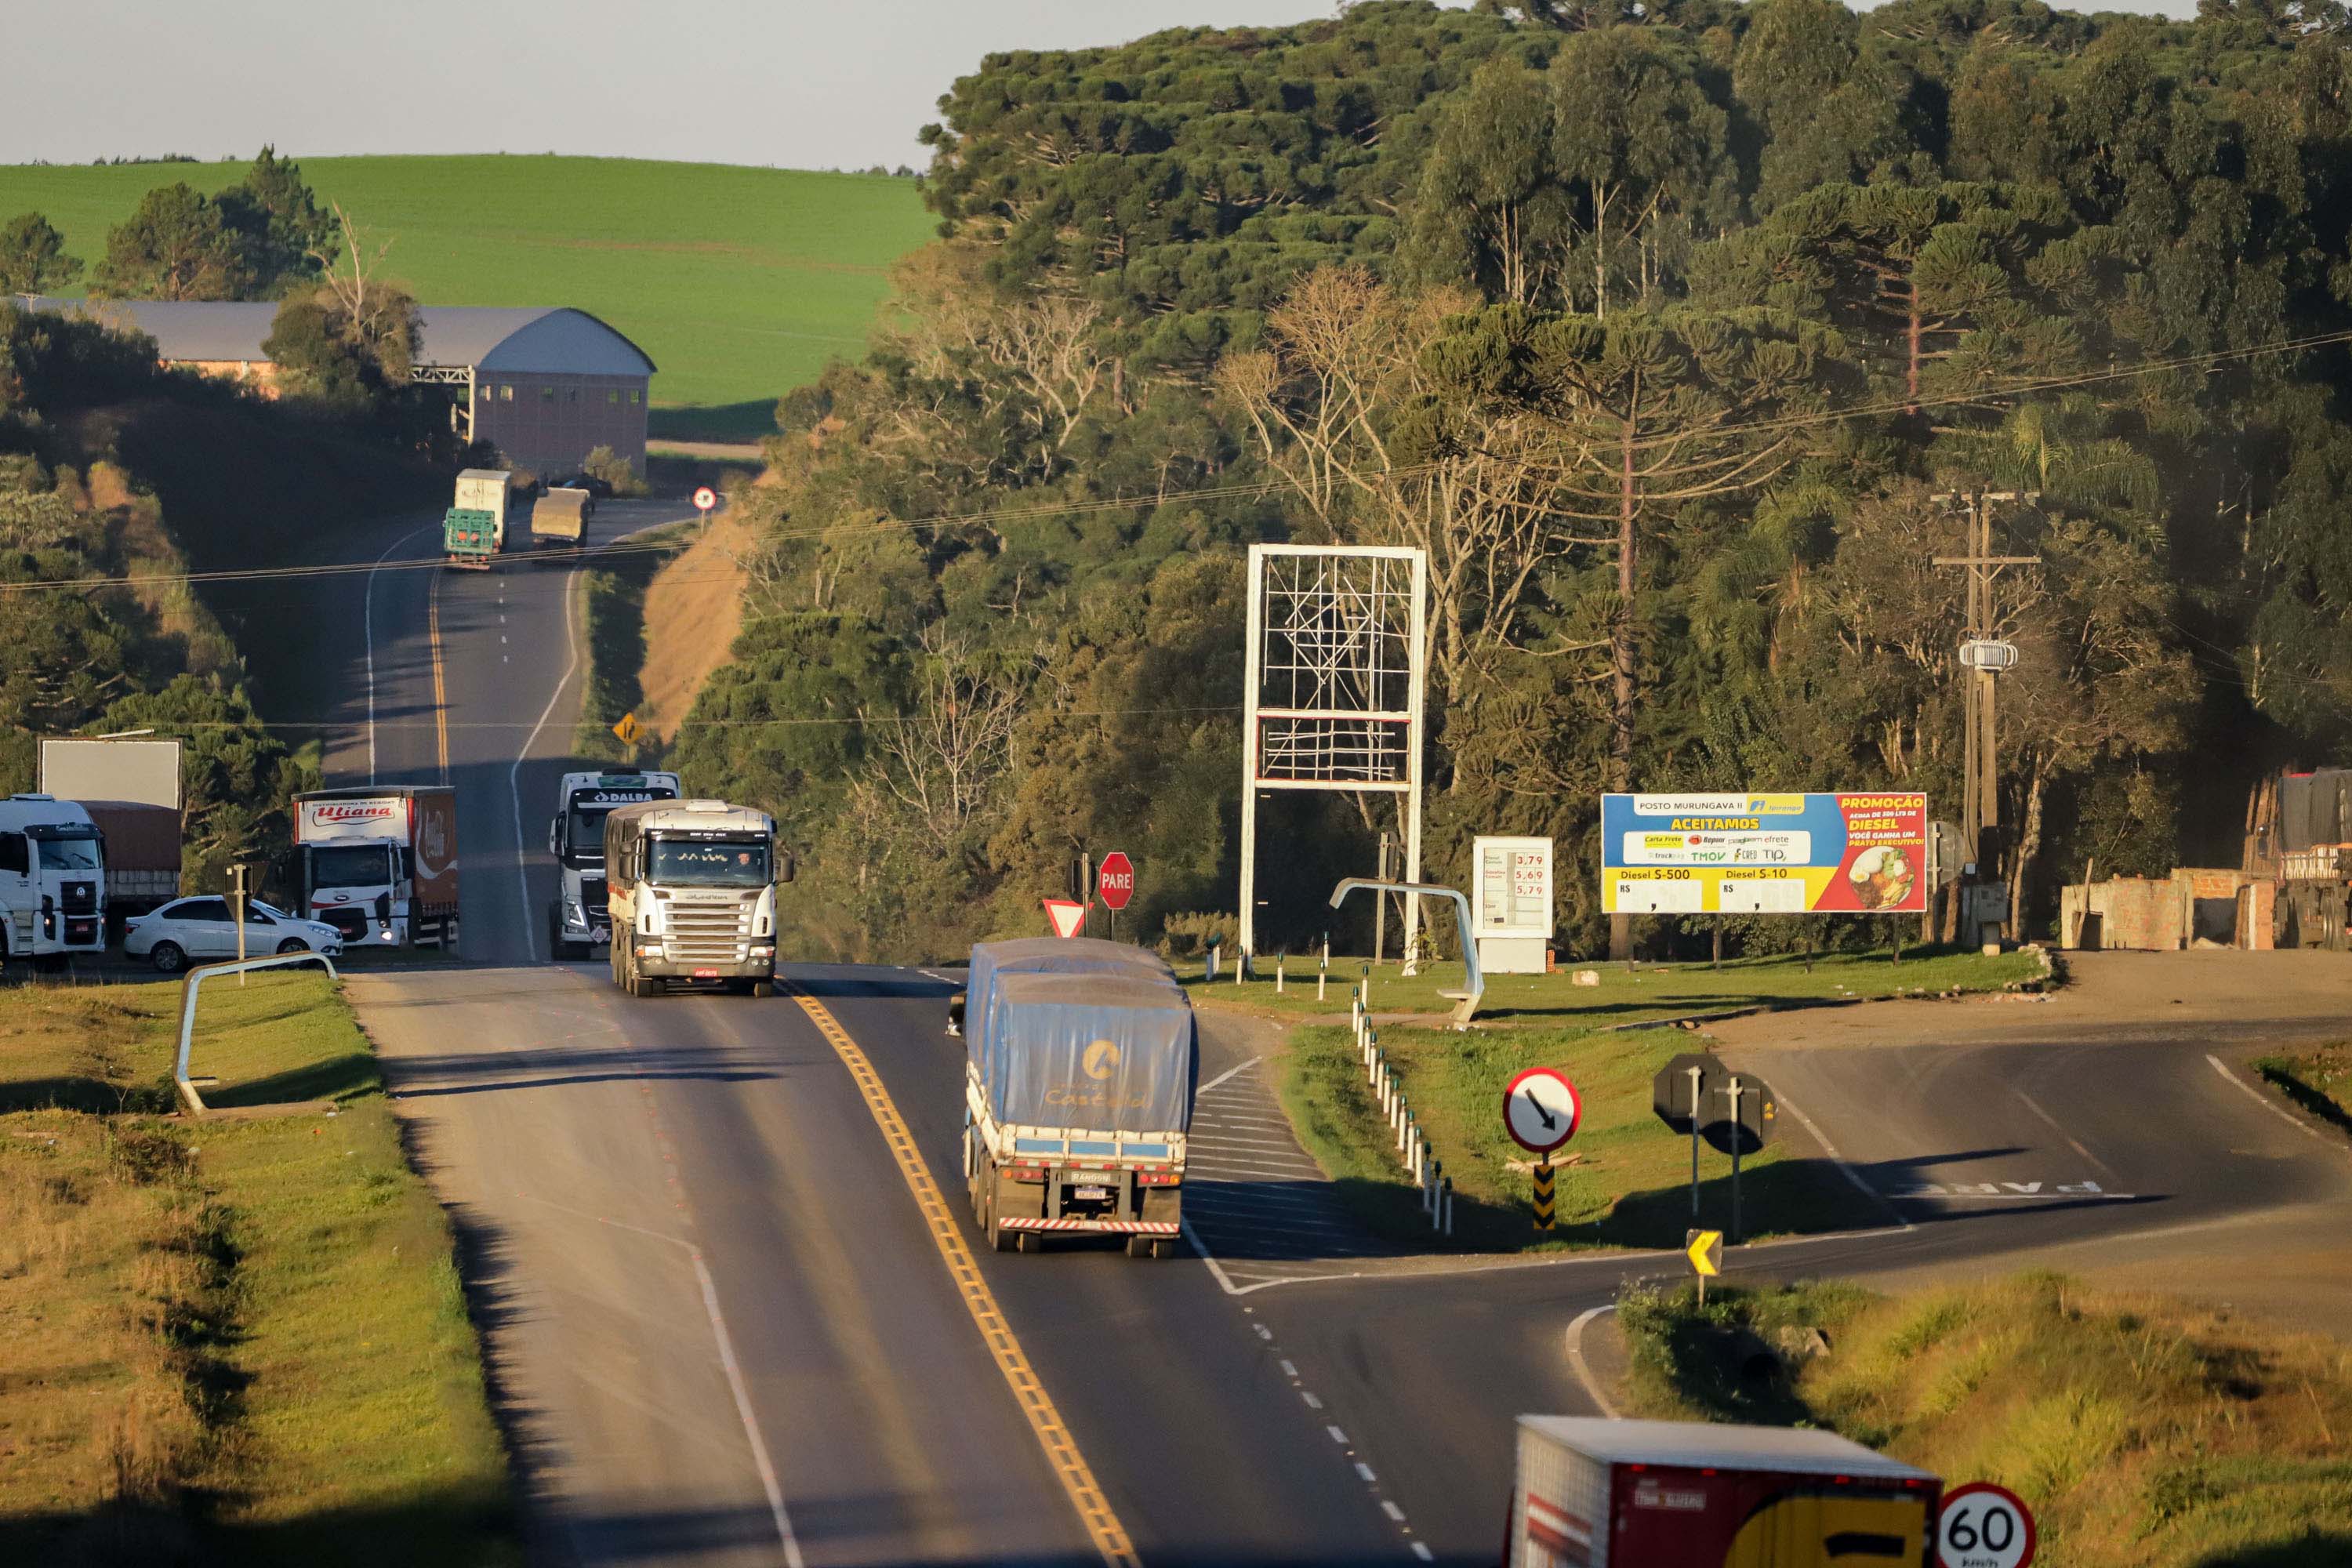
189 991
1465 1003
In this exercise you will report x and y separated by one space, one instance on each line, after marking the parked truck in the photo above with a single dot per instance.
379 863
142 844
561 516
1592 1493
1080 1061
692 890
581 917
52 879
474 529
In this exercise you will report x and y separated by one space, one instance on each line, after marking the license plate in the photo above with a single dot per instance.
706 974
1090 1191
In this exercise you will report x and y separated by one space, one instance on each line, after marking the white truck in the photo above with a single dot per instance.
379 863
495 492
692 889
1081 1059
52 879
581 917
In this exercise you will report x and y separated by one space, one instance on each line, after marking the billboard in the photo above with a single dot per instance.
1764 854
145 771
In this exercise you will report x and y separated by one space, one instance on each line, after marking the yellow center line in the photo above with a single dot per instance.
1077 1478
440 696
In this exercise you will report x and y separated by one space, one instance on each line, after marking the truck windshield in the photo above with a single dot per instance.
729 863
351 866
59 853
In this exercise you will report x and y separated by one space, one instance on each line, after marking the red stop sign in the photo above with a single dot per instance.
1116 880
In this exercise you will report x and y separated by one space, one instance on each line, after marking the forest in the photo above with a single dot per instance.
1671 332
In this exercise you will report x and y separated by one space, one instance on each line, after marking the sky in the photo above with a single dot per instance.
809 84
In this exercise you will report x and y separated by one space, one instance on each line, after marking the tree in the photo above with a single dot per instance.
1493 212
175 245
33 259
354 338
281 231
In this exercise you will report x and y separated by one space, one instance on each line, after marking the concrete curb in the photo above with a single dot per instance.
1600 1323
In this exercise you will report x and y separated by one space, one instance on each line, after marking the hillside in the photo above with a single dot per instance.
740 282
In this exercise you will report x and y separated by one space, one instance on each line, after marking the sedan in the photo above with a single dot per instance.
199 931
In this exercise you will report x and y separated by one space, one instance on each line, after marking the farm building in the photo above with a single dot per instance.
544 386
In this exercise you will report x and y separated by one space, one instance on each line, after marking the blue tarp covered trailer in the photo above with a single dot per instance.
1082 1058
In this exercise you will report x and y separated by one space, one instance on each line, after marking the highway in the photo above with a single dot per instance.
728 1324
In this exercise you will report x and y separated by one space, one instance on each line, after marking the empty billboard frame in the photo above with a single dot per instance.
1332 693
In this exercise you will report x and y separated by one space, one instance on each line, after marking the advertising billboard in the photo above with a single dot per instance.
1764 854
145 771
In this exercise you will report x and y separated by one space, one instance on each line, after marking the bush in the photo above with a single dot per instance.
604 464
1192 935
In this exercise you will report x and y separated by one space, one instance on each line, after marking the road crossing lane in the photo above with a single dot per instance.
1198 1437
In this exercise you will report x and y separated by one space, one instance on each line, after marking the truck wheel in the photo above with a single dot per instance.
760 988
1139 1247
641 986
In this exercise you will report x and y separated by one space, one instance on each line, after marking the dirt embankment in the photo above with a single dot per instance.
693 608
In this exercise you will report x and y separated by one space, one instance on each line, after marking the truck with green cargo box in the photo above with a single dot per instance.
1081 1059
474 529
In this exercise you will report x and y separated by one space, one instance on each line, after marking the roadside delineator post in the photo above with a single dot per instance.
1543 1192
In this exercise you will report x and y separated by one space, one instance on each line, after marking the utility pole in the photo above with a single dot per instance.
1982 655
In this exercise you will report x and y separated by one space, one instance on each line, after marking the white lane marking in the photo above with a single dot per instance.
1312 1403
2034 1106
935 974
1263 1332
514 773
1224 1075
1337 1435
1216 1270
1389 1507
1848 1171
1288 1370
2263 1100
367 635
1364 1474
1421 1549
750 1422
1576 1359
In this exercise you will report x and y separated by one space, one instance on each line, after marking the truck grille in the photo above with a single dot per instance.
79 898
708 934
595 901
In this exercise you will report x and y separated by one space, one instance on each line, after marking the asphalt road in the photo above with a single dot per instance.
723 1331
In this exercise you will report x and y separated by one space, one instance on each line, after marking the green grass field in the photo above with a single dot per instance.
740 282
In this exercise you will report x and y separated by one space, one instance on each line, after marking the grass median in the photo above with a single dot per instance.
236 1340
2319 1080
1625 1181
2143 1432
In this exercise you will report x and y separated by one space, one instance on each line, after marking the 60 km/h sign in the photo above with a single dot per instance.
1984 1526
1541 1108
705 499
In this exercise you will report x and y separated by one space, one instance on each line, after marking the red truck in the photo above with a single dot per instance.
1643 1494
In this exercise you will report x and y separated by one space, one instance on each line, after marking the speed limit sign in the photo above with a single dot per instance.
1984 1526
705 499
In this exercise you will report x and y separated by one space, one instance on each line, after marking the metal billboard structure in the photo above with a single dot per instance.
1336 668
142 770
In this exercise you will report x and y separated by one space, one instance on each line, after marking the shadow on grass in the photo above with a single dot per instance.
2284 1074
339 1078
2315 1549
751 420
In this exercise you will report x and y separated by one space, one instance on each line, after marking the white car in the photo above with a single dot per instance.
198 931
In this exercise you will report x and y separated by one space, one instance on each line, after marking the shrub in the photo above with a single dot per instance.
1192 935
603 463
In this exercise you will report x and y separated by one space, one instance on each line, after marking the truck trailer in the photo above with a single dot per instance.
142 854
474 529
692 889
580 918
1592 1493
52 879
1080 1061
379 863
561 516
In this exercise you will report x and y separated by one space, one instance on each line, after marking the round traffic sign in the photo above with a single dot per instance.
1984 1526
1114 879
1541 1109
705 499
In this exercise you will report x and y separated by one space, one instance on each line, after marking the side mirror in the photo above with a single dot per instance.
555 835
955 1013
784 867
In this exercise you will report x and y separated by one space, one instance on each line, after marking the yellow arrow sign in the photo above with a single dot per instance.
628 729
1704 1250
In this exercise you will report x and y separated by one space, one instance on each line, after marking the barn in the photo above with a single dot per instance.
544 385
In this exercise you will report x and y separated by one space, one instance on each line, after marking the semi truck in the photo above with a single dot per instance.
474 529
561 516
379 863
580 916
52 879
141 843
1080 1061
1592 1493
691 885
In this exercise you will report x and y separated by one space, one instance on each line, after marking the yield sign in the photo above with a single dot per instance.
1068 917
1541 1109
1114 879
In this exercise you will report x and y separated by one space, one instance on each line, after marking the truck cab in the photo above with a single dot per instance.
52 879
692 885
580 918
379 863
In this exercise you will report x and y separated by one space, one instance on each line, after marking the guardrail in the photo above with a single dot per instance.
191 988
